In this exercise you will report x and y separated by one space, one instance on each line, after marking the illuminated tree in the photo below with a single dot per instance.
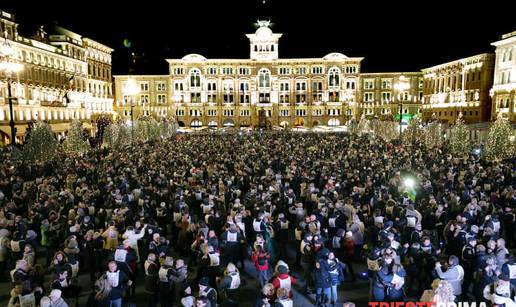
75 141
414 133
116 135
500 142
459 143
42 145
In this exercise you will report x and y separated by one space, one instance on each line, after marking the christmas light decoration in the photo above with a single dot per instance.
499 144
75 142
459 144
42 145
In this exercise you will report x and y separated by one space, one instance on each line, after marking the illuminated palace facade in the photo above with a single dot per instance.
65 76
504 87
201 92
460 86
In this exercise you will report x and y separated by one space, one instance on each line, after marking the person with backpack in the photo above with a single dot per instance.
166 285
260 258
228 286
208 292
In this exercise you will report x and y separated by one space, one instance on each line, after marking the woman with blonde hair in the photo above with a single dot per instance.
269 292
228 286
100 297
444 293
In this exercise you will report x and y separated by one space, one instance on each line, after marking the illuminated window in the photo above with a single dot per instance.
264 78
334 77
386 84
317 70
160 86
386 96
144 86
300 86
212 86
195 78
368 84
368 97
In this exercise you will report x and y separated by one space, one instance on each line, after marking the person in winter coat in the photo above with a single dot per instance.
322 281
119 283
230 244
336 270
395 289
208 292
179 277
151 279
228 286
260 258
454 274
501 293
348 246
100 296
56 300
111 237
166 285
284 280
383 278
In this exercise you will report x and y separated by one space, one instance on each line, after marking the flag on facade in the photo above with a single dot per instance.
71 83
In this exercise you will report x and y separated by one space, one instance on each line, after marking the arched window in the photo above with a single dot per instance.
334 76
264 76
195 78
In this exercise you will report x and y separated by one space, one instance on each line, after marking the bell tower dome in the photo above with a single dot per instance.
264 43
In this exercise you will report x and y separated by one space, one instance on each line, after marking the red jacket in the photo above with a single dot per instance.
276 280
254 259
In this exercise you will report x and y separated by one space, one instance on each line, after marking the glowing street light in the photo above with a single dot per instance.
131 89
409 182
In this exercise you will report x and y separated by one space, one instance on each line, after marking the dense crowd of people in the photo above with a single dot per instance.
190 214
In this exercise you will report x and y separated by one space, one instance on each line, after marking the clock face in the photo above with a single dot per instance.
264 34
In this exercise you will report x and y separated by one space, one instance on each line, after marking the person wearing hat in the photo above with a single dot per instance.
283 279
207 292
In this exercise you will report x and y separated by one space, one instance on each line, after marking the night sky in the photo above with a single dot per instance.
391 35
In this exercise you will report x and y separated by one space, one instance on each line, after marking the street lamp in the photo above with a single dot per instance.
131 89
401 87
9 66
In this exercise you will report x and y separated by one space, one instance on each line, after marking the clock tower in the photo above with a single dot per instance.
264 43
